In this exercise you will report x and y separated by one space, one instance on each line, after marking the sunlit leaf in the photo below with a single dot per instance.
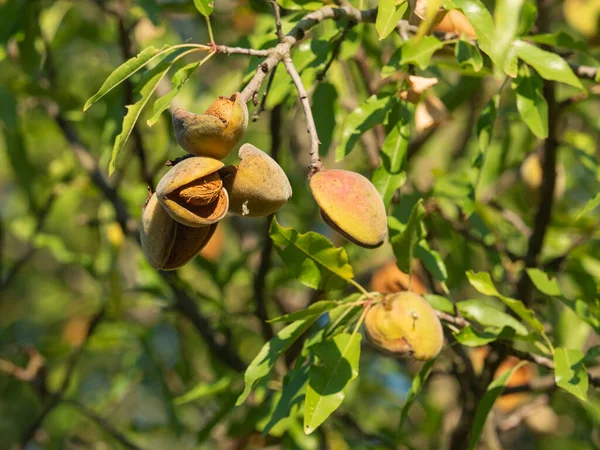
468 55
543 282
589 206
389 13
205 6
481 20
531 103
570 373
487 315
203 390
418 52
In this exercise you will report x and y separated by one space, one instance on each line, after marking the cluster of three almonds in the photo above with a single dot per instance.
179 219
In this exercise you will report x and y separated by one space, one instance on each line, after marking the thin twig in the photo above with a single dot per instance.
263 101
277 14
225 50
315 162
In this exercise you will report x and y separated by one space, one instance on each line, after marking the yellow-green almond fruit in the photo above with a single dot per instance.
258 186
188 243
192 192
351 205
531 174
157 233
405 324
214 133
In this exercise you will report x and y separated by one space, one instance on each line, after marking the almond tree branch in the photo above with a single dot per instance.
315 162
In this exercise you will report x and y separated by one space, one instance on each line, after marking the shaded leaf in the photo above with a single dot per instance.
589 206
263 363
506 19
485 126
314 310
329 378
468 55
203 390
494 390
558 39
404 244
550 66
531 103
432 261
418 382
313 259
326 97
418 52
570 373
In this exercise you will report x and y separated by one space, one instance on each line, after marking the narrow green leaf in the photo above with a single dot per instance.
203 390
418 52
292 393
337 366
481 20
326 97
549 65
390 176
494 390
305 5
440 303
313 259
544 283
314 310
263 363
432 261
472 337
177 82
389 13
482 282
487 315
589 206
124 71
485 125
468 55
145 89
205 6
404 244
558 39
531 103
570 373
418 382
506 19
371 112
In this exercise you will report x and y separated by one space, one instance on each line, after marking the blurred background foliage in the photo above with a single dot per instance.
78 300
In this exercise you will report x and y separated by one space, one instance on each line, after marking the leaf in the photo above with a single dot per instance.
440 303
177 82
203 390
432 261
124 71
485 124
487 315
313 259
418 52
307 5
544 283
404 244
482 282
330 377
558 39
589 206
389 13
369 113
205 6
418 382
570 373
264 362
390 176
468 55
531 103
326 97
506 20
494 390
145 88
549 65
315 310
472 337
592 354
292 393
481 20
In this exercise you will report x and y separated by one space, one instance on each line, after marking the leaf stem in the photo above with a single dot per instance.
210 31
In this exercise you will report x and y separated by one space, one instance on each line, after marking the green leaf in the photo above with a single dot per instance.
558 39
440 303
482 282
306 5
481 20
292 393
326 97
472 337
506 18
124 71
494 390
487 315
337 366
369 113
468 55
404 244
145 88
389 13
432 261
418 52
203 390
589 206
205 6
544 283
549 65
314 310
263 363
390 176
177 82
531 103
592 354
312 258
570 373
418 382
485 125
